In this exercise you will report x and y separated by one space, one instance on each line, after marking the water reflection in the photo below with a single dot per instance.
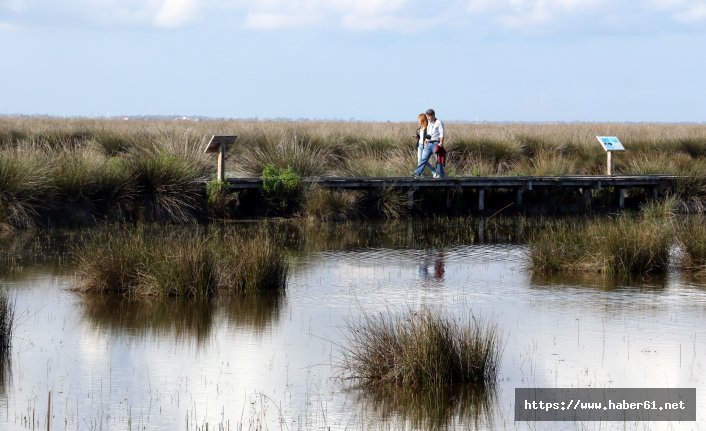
254 311
182 319
464 407
432 266
656 283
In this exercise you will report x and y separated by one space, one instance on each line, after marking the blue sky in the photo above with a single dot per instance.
380 60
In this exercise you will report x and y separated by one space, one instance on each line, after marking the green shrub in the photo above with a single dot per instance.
282 187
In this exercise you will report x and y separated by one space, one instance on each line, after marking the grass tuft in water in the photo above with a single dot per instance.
184 265
251 265
421 349
621 246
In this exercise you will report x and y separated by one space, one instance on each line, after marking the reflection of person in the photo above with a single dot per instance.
435 133
421 135
439 269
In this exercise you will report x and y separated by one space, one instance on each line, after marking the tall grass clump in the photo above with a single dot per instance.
330 205
306 156
136 266
24 190
181 265
168 185
692 238
421 350
251 265
392 203
621 246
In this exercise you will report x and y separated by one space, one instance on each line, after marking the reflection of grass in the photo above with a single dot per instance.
420 349
7 324
257 311
183 319
456 407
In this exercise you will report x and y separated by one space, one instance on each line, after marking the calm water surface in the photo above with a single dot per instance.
272 362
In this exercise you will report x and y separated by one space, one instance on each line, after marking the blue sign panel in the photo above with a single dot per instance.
610 143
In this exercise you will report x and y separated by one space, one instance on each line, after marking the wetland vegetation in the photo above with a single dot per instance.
84 171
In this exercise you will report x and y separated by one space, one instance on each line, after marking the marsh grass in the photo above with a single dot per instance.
692 238
623 245
24 190
331 205
392 203
168 185
180 265
251 264
154 169
420 349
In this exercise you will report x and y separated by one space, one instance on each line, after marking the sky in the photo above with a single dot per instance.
362 60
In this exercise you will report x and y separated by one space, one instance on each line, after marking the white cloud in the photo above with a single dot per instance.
175 13
271 21
357 22
523 16
693 13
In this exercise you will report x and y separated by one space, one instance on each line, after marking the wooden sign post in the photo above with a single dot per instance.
219 144
610 144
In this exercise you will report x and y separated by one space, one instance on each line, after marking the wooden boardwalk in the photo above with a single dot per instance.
584 184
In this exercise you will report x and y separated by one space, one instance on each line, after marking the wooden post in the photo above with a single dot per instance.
481 200
220 144
609 167
221 163
621 198
519 197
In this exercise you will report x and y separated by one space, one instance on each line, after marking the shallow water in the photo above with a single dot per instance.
272 362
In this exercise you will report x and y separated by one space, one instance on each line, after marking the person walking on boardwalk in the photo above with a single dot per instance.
421 136
434 138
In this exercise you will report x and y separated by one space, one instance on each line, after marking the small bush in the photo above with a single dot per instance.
282 187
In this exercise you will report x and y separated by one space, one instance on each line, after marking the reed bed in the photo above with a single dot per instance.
613 246
182 265
154 169
692 239
421 349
